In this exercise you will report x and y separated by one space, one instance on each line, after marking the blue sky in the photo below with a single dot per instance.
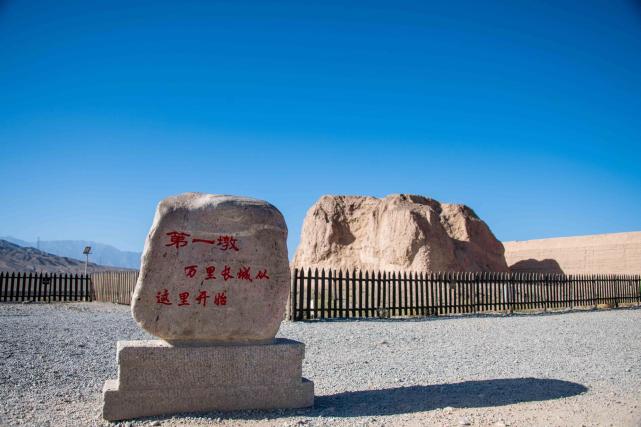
527 111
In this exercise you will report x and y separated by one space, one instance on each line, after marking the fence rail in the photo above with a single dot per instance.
114 286
357 294
19 286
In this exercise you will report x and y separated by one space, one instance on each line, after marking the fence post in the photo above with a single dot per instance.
431 295
13 287
571 291
392 294
476 293
546 284
360 294
379 298
322 295
346 309
301 294
292 297
512 292
331 299
315 298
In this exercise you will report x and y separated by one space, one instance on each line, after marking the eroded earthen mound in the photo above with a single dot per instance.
398 232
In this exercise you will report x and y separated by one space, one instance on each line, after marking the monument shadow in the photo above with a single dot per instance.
467 394
420 398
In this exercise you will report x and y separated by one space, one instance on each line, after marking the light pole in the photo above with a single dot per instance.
86 251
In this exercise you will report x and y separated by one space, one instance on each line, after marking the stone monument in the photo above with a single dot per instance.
213 286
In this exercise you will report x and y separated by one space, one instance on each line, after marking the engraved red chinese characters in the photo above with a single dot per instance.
177 239
162 297
214 268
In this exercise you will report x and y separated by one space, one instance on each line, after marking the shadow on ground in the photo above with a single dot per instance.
468 394
404 400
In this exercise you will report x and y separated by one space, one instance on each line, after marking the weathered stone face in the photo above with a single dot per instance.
397 233
214 269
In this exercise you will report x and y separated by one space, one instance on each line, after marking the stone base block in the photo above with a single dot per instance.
156 378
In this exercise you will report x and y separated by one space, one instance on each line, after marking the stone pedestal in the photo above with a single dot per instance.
156 378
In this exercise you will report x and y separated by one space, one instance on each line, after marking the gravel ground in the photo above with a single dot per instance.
579 368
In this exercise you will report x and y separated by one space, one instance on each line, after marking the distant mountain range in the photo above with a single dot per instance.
102 254
17 258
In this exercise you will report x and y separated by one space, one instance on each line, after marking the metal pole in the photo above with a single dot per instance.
86 262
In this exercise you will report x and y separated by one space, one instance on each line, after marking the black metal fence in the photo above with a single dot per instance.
45 287
345 294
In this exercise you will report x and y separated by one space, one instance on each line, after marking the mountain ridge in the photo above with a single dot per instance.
102 254
27 259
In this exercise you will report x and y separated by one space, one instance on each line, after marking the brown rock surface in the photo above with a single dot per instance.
214 269
397 232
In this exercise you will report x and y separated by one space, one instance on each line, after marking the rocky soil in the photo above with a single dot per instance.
581 368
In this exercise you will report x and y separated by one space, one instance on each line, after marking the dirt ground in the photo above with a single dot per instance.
569 369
